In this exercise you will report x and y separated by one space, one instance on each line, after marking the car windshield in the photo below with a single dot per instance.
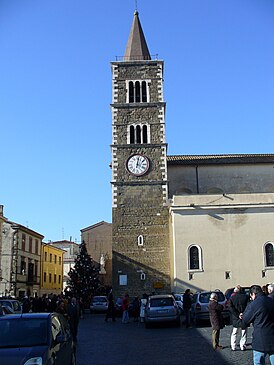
99 299
204 297
161 302
22 332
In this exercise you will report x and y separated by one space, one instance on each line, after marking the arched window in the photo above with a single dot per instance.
144 134
137 92
194 258
140 240
138 133
132 132
131 92
269 254
144 92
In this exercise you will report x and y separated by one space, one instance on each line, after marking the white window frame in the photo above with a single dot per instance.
200 269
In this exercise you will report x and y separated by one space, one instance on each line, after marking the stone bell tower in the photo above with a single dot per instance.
140 216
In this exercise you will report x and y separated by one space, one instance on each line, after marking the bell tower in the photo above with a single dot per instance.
140 215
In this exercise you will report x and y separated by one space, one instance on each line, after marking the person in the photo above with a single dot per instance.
26 306
187 306
270 289
61 308
143 307
260 312
73 317
125 305
111 307
216 320
136 309
237 305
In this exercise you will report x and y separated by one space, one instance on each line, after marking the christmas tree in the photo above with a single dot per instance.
83 277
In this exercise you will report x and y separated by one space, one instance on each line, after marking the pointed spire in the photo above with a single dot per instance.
136 49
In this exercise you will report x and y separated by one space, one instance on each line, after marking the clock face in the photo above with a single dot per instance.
138 165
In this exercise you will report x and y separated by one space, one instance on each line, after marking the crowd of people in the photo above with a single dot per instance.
257 310
71 308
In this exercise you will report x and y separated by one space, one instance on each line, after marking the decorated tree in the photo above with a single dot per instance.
83 277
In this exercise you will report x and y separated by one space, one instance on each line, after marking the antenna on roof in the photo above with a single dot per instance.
136 3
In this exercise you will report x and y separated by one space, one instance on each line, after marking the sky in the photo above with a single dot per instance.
55 95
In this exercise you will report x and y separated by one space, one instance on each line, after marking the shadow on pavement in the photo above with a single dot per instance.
114 343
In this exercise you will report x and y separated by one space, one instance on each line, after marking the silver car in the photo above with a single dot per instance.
199 308
162 308
99 304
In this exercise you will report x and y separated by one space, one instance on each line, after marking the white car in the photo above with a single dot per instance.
99 304
179 300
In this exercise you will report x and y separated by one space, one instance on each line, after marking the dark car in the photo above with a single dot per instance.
13 304
36 338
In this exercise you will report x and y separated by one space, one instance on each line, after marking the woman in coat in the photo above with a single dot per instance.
216 320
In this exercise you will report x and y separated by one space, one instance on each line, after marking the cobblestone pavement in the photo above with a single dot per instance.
114 343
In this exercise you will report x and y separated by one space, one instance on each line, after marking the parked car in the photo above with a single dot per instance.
6 310
199 308
36 338
13 304
99 304
162 308
179 298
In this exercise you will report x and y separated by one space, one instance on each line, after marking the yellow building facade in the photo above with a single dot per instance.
52 263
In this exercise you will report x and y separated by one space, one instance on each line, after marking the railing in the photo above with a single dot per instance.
136 58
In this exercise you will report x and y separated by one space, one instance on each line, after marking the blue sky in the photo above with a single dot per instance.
55 91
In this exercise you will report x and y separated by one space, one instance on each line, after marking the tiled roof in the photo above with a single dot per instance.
220 159
94 226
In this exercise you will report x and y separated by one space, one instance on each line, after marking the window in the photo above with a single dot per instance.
137 92
46 256
140 240
194 258
269 254
50 278
45 277
54 278
23 266
138 133
55 259
30 244
36 247
59 279
60 260
35 268
50 257
23 242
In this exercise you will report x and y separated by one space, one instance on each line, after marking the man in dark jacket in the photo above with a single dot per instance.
260 312
237 305
216 320
187 306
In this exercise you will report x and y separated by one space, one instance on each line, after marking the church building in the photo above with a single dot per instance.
201 222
